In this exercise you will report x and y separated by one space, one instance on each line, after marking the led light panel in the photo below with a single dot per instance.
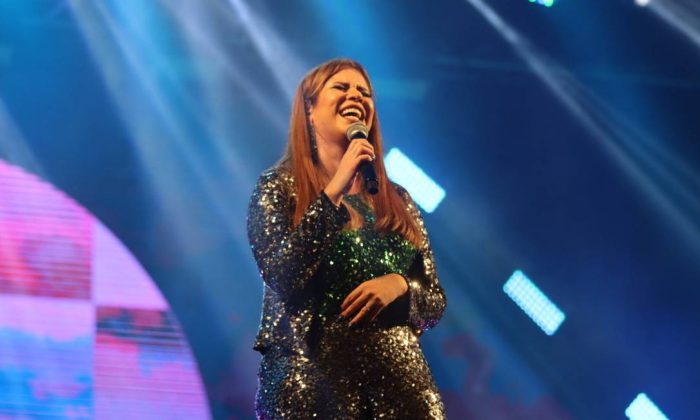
426 192
535 303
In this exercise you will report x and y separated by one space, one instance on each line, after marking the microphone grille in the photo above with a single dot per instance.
357 130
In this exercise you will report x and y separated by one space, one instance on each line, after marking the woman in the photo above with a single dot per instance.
350 281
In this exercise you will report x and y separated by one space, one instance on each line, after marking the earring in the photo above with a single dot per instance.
311 132
312 140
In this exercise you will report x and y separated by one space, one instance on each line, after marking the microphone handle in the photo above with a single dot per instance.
369 174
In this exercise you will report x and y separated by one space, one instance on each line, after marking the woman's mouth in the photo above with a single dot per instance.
352 113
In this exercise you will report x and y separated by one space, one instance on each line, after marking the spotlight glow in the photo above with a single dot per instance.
546 3
681 15
642 408
426 192
535 303
622 140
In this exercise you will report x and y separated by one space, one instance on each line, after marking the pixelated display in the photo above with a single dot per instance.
85 331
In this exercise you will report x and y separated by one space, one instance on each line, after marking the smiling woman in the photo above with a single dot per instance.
350 280
345 98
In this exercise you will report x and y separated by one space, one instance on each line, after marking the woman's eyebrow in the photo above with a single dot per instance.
362 88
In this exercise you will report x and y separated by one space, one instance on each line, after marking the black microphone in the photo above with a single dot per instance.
360 131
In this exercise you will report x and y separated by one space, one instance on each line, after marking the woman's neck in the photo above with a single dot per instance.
329 154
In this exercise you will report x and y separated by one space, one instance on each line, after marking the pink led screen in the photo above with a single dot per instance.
84 332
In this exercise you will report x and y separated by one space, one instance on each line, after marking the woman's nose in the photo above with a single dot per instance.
354 93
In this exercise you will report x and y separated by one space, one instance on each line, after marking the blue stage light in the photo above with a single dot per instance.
546 3
535 304
426 192
642 408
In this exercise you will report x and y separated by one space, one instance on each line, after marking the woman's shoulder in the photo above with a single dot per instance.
403 192
277 172
276 177
406 197
274 185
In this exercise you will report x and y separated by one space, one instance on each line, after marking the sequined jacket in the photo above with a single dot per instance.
288 257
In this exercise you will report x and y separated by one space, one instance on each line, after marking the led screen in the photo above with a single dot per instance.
84 331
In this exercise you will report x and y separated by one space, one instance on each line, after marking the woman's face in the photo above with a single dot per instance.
343 100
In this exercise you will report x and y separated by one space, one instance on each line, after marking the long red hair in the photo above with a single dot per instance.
389 207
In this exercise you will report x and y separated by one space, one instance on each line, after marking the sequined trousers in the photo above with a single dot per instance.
359 372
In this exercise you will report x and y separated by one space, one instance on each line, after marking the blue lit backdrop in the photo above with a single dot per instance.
564 144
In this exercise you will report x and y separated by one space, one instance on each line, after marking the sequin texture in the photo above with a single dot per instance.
314 365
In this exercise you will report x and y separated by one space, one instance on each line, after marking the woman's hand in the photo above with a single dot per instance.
358 151
371 297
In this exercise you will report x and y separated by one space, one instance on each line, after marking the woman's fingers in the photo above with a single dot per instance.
375 308
361 147
357 152
364 306
350 298
360 315
370 298
368 311
375 313
355 307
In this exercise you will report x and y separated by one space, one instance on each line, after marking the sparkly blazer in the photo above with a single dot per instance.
288 258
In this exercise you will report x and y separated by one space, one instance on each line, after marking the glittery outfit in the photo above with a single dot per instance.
314 365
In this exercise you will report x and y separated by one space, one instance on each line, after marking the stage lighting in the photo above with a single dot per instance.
426 192
533 302
546 3
642 408
642 3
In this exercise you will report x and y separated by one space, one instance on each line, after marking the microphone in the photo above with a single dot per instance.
360 131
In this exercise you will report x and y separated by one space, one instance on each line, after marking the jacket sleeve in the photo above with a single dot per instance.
288 256
427 300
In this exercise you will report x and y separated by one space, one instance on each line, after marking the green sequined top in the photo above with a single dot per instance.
308 270
359 255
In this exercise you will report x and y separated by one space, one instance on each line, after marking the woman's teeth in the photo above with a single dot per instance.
351 112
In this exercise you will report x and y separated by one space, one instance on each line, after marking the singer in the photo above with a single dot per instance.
349 277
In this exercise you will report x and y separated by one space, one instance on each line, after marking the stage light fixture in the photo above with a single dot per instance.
426 192
545 3
642 3
533 302
642 408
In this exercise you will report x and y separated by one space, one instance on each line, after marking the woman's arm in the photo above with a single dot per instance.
287 257
426 296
